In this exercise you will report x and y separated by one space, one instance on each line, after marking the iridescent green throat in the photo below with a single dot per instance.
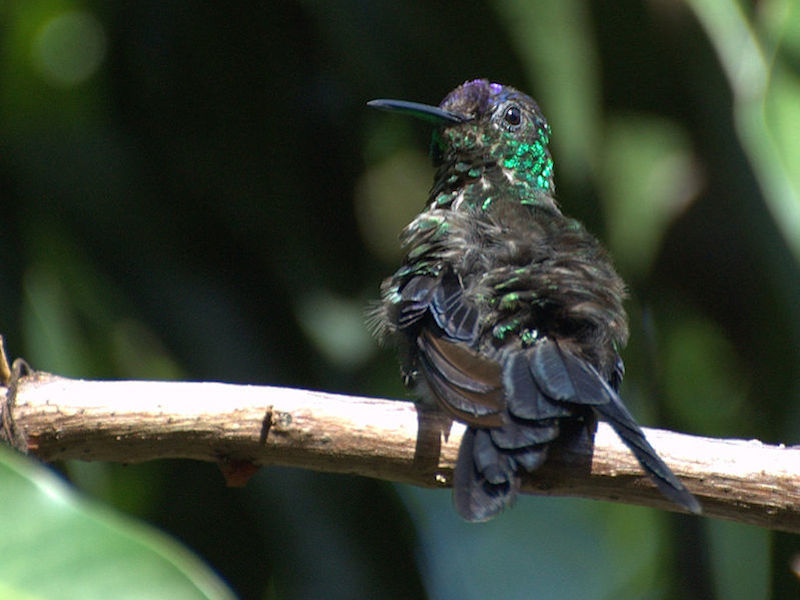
479 164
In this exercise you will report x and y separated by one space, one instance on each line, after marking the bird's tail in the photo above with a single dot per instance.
476 498
542 387
563 376
623 423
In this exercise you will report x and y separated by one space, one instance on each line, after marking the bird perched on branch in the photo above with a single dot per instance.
508 314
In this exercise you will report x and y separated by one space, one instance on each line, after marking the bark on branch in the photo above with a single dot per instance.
135 421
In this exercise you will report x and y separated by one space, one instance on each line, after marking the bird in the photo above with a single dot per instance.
508 315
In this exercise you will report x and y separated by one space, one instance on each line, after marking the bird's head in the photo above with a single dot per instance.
487 130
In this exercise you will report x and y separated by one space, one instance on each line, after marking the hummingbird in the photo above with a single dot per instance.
508 315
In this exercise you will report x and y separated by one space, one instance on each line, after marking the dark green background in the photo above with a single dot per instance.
193 190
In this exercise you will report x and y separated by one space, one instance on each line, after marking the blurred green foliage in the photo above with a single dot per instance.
59 545
196 190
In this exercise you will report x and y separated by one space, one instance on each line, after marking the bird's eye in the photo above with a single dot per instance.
512 116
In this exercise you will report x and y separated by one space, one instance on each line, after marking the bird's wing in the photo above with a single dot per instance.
466 385
501 439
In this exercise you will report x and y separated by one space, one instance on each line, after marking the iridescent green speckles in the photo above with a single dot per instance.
512 300
544 134
430 222
418 251
545 177
502 330
444 199
522 157
486 203
529 161
512 281
508 301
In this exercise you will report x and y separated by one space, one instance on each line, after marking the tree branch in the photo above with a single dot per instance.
135 421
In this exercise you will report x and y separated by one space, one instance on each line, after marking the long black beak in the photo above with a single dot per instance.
432 114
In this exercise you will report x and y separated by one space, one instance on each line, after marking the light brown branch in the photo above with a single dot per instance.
135 421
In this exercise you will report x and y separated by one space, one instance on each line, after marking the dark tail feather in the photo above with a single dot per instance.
623 423
565 377
474 498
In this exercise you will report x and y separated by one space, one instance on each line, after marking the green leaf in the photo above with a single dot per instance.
56 544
